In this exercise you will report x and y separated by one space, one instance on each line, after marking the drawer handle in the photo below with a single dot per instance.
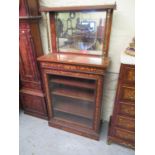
132 97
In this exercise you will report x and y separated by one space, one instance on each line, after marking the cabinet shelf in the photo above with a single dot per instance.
74 109
74 93
73 119
74 82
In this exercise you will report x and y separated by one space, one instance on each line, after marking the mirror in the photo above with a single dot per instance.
80 32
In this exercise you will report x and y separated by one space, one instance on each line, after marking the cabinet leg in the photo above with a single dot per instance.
109 141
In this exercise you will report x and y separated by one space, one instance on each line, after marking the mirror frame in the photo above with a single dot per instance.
108 23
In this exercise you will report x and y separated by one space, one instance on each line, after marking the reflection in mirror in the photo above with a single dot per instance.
80 32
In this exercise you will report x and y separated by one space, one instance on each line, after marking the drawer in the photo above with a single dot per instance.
127 74
125 122
127 109
126 93
124 134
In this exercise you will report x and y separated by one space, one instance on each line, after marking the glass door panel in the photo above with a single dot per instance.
73 99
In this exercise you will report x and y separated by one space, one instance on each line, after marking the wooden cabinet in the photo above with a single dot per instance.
74 92
122 122
31 93
73 72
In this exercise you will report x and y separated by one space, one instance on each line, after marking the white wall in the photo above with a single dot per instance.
123 30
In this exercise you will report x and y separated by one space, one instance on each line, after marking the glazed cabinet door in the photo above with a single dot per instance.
28 67
72 99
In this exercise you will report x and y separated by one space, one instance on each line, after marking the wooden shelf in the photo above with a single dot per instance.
74 109
73 119
74 93
73 82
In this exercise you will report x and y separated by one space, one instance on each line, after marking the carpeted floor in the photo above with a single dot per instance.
37 138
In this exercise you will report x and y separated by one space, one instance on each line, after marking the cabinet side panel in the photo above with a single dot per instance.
28 64
34 105
35 33
33 6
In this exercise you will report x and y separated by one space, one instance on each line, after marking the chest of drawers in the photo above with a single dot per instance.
122 122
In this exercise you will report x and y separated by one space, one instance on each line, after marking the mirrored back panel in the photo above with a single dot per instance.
80 31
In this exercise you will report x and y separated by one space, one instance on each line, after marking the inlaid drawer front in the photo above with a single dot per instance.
123 134
127 93
128 73
131 75
127 109
125 122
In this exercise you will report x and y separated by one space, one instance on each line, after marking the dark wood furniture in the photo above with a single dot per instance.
31 93
74 92
122 122
73 82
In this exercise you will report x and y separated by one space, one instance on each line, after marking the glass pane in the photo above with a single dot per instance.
73 99
80 32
